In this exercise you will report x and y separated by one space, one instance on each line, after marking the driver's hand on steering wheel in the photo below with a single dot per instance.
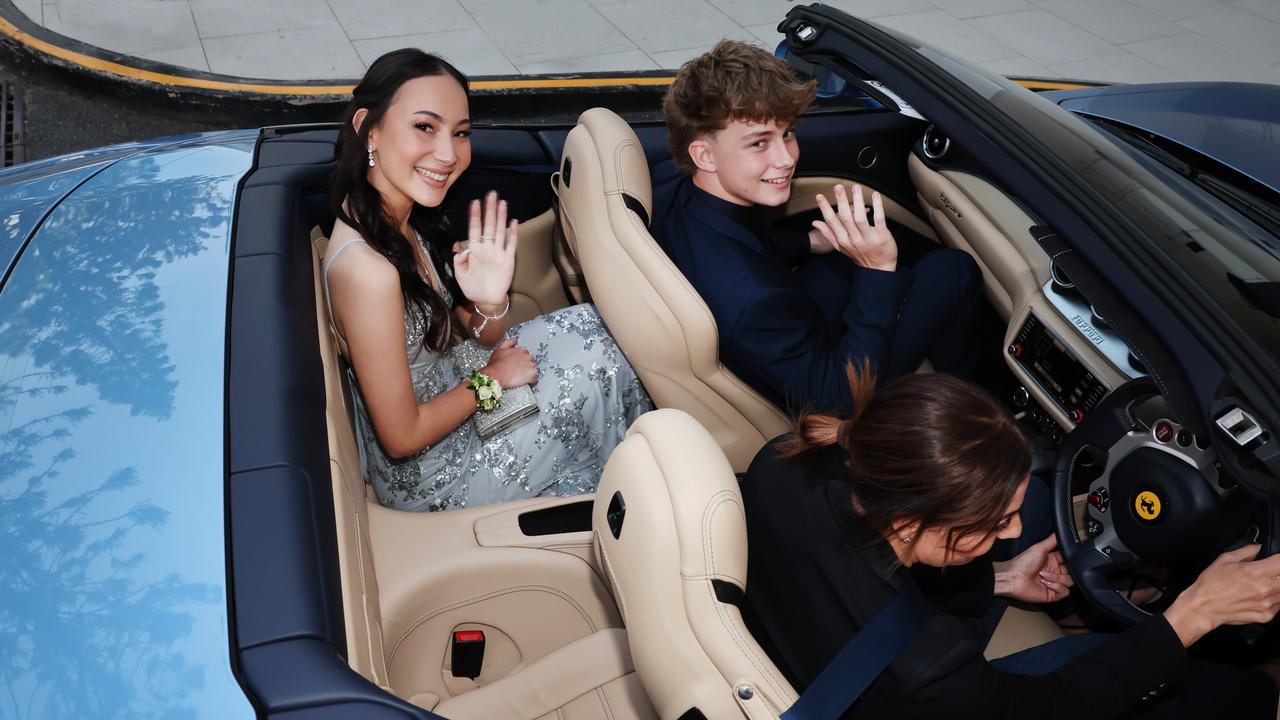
1037 575
1235 590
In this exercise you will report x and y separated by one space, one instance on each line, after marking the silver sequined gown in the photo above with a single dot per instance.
588 395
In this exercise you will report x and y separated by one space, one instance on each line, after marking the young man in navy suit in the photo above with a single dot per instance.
794 308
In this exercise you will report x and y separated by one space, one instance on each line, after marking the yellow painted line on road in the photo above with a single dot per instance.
1047 85
569 83
107 66
114 68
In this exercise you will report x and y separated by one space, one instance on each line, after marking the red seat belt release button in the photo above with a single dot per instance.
468 653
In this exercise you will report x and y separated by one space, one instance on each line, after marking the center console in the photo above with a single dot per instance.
1066 358
1054 368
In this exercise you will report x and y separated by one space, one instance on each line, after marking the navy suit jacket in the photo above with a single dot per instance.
786 335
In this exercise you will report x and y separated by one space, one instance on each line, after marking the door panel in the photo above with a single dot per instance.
974 216
870 148
805 189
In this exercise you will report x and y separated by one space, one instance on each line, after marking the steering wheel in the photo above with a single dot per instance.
1158 498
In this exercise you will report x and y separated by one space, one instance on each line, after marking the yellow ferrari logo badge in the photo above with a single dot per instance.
1147 505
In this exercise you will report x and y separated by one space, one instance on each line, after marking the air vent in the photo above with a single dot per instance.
1099 320
11 143
935 143
1062 282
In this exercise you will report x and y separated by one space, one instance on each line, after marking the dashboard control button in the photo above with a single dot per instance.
1015 350
1021 397
1100 499
1119 557
1183 438
1163 431
1092 527
1077 416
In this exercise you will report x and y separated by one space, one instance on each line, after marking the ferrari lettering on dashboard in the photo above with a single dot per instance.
1088 330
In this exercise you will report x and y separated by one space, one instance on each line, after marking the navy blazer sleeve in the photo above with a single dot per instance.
780 340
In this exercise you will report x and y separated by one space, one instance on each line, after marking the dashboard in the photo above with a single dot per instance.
1064 355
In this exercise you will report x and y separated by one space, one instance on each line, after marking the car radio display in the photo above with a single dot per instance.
1066 380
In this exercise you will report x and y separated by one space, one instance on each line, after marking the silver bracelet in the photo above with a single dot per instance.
480 329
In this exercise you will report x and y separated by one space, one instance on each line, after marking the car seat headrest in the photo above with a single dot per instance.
625 169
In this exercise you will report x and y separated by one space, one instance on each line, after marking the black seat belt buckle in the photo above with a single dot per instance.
468 653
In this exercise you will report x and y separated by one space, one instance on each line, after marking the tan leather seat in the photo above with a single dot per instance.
590 678
661 323
677 566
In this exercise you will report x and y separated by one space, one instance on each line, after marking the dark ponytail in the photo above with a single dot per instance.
357 203
812 430
928 449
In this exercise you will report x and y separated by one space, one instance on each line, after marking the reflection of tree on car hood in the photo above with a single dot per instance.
111 359
120 352
62 573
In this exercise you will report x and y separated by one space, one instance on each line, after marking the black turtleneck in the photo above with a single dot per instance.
814 579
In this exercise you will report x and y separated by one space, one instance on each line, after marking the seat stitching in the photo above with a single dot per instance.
613 582
562 650
604 700
596 690
497 593
726 620
362 579
708 547
364 598
617 165
765 674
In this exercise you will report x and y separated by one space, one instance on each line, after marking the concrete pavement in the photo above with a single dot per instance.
334 40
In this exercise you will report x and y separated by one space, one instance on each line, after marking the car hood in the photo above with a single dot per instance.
113 578
30 190
1237 124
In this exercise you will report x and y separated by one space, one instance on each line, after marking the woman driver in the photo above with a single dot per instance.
927 476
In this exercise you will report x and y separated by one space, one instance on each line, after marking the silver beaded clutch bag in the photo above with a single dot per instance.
517 406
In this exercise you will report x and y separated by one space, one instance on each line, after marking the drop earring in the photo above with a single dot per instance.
370 156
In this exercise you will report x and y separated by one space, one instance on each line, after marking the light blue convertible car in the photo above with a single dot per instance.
185 533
